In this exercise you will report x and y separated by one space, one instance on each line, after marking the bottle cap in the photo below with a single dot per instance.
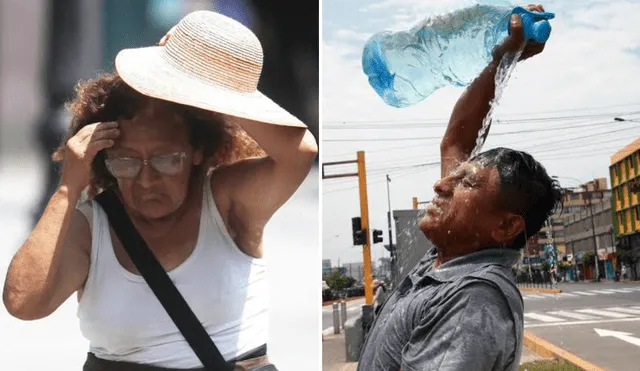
535 24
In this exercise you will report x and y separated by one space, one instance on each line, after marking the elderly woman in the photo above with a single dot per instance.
200 160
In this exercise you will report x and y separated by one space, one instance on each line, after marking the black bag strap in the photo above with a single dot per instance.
161 284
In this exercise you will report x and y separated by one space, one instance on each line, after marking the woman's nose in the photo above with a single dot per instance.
148 175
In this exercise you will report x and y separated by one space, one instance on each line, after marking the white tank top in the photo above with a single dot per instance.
226 289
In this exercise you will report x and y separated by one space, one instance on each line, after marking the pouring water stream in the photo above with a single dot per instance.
505 69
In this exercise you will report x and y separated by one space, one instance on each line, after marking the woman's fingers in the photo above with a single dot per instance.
105 134
98 145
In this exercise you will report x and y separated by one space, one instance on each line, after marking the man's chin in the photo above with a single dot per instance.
429 225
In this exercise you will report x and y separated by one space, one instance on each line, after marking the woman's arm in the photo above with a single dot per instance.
53 262
256 188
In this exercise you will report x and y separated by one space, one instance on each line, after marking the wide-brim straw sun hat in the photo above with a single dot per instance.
211 62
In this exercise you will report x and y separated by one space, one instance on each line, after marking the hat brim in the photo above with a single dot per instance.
147 71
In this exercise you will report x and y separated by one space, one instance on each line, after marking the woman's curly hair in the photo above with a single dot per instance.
109 98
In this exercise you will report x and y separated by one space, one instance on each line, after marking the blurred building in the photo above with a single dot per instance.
326 267
625 182
574 202
589 230
354 270
383 270
411 244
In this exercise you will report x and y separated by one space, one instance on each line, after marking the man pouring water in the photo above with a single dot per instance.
459 308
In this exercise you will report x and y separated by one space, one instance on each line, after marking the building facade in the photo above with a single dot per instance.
411 244
326 267
588 231
354 270
575 201
625 183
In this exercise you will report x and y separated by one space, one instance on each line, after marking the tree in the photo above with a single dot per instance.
588 258
545 266
337 281
626 256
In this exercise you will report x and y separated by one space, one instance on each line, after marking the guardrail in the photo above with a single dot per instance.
538 280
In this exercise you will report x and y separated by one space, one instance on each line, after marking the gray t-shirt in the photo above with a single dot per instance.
464 315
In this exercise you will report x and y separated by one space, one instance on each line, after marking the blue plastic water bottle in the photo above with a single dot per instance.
406 67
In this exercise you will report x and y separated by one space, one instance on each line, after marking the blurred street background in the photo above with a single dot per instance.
46 46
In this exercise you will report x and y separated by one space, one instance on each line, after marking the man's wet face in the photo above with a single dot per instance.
464 210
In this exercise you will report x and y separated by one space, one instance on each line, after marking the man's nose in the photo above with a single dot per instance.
444 186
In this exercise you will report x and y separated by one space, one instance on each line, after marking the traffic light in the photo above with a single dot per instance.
359 234
377 236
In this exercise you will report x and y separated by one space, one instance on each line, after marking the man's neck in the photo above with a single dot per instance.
452 252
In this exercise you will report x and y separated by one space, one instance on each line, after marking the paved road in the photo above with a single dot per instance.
291 252
599 323
353 309
570 319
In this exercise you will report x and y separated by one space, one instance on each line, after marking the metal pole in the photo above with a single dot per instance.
555 251
575 261
364 217
529 262
336 319
595 241
343 312
389 217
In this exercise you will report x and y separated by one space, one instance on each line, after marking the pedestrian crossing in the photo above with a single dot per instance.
577 294
583 315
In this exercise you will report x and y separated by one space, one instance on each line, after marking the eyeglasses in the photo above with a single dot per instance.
129 167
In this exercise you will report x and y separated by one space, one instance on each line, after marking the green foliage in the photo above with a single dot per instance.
587 258
625 255
337 281
545 266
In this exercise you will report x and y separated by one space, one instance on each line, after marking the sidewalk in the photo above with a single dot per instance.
334 354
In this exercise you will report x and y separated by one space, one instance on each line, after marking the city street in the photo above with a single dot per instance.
353 309
599 323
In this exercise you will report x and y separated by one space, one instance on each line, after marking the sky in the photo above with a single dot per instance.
559 106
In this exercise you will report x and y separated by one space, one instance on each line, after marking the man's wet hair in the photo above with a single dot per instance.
525 189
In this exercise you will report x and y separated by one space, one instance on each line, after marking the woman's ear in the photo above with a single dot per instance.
198 157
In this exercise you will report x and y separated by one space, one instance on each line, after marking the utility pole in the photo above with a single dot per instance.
595 239
392 249
575 261
361 174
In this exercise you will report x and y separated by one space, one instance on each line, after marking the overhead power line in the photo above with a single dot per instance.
493 134
588 131
511 118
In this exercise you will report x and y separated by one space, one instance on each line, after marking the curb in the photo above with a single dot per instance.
547 350
327 331
541 290
330 302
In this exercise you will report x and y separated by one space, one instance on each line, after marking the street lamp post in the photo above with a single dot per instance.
392 250
595 239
